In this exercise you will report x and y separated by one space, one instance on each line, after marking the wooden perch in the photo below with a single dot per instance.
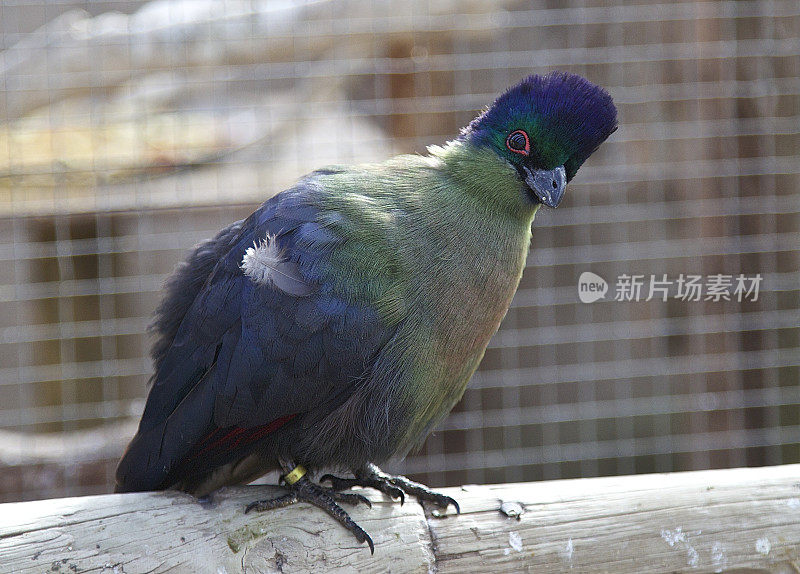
742 520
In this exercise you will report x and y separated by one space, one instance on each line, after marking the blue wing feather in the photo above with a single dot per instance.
232 352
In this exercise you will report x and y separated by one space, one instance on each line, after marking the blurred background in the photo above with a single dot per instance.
129 131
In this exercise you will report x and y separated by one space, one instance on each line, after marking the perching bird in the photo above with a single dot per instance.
340 322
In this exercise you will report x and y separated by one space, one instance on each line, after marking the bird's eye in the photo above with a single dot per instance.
518 142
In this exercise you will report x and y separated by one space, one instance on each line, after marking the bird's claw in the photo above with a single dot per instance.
306 491
394 486
362 536
423 493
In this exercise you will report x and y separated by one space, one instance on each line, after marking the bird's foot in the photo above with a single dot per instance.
394 486
301 489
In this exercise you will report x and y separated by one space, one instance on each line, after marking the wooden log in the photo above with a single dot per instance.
740 520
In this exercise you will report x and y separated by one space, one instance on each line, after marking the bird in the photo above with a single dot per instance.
339 323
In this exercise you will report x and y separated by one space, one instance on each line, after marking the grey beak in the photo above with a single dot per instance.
547 185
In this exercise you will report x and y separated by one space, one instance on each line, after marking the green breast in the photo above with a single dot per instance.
469 261
437 244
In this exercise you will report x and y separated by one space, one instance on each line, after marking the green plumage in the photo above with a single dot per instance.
437 245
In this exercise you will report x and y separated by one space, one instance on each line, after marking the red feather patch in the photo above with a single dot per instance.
232 438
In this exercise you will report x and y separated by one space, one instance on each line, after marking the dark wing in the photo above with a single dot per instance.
237 358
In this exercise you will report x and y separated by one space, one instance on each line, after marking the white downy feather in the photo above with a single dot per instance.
265 264
260 261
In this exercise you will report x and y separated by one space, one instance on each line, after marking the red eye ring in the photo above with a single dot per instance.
514 142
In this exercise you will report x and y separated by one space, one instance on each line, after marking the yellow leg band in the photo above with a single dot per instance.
296 474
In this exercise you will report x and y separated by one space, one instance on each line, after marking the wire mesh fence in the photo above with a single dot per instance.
127 137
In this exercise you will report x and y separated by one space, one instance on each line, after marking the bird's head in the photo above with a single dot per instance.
546 127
